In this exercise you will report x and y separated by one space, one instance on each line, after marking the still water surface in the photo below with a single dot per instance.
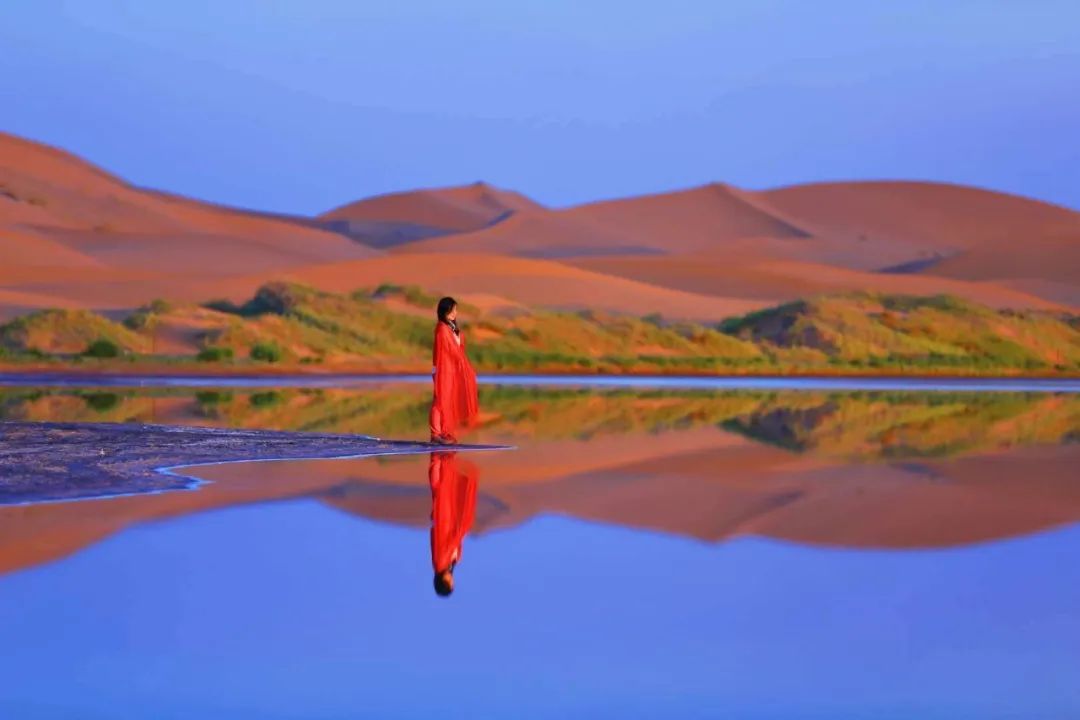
673 552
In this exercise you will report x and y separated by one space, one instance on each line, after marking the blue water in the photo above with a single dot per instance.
294 610
1056 385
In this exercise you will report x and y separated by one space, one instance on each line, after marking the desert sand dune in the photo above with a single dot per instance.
71 234
400 218
524 280
715 239
782 280
57 211
939 218
671 223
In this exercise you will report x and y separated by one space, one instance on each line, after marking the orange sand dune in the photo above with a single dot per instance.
524 280
74 235
428 213
784 280
59 211
715 239
942 219
928 213
697 219
677 222
538 234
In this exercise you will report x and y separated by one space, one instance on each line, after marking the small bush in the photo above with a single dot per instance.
265 399
214 353
102 348
212 397
101 402
269 352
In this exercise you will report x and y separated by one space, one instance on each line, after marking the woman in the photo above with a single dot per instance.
454 404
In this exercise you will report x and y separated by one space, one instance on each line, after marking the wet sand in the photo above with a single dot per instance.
42 462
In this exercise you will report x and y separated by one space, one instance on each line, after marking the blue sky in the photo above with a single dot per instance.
301 106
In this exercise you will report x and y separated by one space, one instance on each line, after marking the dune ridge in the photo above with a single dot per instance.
74 235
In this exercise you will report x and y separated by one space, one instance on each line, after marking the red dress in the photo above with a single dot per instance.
453 506
455 403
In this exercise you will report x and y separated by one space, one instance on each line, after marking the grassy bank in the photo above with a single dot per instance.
289 328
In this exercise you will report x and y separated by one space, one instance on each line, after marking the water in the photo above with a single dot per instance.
673 552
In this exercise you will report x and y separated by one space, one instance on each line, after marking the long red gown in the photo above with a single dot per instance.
453 506
455 403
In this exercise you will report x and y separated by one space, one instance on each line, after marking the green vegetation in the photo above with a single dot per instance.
906 333
390 328
67 332
101 402
214 353
146 316
265 351
102 348
855 426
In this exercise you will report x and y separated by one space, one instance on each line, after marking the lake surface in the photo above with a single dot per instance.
675 551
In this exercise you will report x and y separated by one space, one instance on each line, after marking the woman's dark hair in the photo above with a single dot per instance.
443 588
445 306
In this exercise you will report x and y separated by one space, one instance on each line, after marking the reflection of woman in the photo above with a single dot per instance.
454 403
453 506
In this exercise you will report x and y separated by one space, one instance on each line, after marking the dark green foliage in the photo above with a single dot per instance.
269 352
102 348
214 353
101 401
265 399
212 397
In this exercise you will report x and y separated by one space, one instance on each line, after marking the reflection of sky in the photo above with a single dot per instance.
301 106
293 610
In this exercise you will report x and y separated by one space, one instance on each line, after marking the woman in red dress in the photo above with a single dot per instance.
454 404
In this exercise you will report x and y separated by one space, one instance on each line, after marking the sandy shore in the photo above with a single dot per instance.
42 462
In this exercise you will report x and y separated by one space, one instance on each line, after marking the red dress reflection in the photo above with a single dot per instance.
454 404
453 507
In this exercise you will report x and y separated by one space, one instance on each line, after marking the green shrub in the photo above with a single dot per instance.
101 402
269 352
214 353
102 348
265 399
212 397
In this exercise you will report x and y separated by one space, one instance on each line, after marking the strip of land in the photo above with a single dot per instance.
42 462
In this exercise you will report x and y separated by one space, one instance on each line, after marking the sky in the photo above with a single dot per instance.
302 106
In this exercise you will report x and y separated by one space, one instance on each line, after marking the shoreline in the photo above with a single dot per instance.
44 462
981 383
95 368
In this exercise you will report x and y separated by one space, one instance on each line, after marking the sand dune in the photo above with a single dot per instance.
895 237
397 218
523 280
57 211
783 280
995 235
934 214
671 223
71 234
